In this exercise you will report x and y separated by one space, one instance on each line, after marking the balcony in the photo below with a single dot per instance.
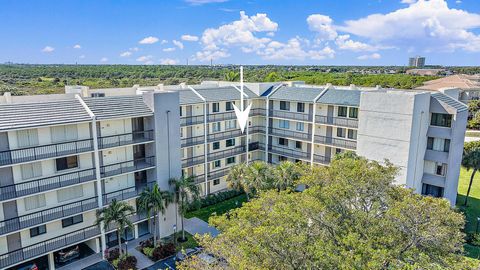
237 150
225 135
258 112
191 120
125 139
291 115
46 184
47 246
438 156
127 166
44 151
40 217
193 141
215 117
337 142
125 194
192 161
336 121
321 159
286 133
287 152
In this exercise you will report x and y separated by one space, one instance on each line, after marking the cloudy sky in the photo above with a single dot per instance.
323 32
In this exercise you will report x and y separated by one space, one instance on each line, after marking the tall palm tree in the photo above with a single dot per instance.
471 160
186 191
286 174
258 176
157 201
231 76
236 178
116 213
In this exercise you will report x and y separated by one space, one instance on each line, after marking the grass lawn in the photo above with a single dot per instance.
218 209
191 242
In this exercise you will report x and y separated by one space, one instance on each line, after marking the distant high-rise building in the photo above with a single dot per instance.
416 61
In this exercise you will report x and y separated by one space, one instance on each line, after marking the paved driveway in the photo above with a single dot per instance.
195 225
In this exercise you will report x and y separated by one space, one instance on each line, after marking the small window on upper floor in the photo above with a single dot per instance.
66 222
217 164
300 126
27 138
36 231
216 127
298 145
64 133
431 190
441 120
342 111
230 160
338 150
66 163
300 107
229 106
353 112
229 142
215 107
438 144
341 132
284 105
282 158
216 182
230 124
97 94
352 134
283 141
284 124
181 111
216 145
34 202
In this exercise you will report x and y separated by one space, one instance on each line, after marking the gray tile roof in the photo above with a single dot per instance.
305 94
36 114
224 93
187 96
457 105
341 97
118 107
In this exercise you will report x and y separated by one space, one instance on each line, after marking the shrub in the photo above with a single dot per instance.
163 251
212 199
127 263
146 243
113 254
148 251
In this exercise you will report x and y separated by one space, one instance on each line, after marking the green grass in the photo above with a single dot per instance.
218 209
191 242
472 134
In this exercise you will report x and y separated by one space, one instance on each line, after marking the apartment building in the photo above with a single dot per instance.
64 156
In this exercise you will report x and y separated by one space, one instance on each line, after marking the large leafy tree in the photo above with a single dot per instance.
259 177
352 216
154 201
186 191
471 161
116 213
286 174
232 76
236 178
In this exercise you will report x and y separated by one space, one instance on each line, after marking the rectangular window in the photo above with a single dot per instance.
338 150
70 193
230 124
282 158
353 112
216 127
217 164
66 163
64 133
341 132
34 202
284 124
229 106
181 111
27 138
342 111
300 107
97 94
38 230
438 144
31 170
441 120
298 145
229 142
300 126
216 145
216 182
441 169
72 220
215 107
230 160
352 134
284 105
431 190
283 141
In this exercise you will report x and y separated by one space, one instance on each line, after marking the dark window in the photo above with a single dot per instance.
353 113
66 163
300 107
341 132
441 169
342 111
430 143
72 220
216 164
230 160
298 145
441 120
431 190
284 105
98 94
215 107
338 150
229 106
230 142
216 182
283 141
216 145
352 134
282 158
446 146
180 110
38 230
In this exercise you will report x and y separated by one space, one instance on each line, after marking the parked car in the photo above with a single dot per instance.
32 266
182 255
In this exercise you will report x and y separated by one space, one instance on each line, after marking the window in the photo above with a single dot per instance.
342 111
300 126
441 169
353 113
284 124
431 190
215 107
216 127
438 144
38 230
441 120
298 145
229 142
283 141
300 107
27 138
70 193
284 105
229 106
181 110
72 220
352 134
217 164
64 133
230 160
341 132
282 158
31 170
338 150
66 163
216 182
216 145
97 94
34 202
230 124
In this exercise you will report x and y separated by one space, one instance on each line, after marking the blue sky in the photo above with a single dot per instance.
322 32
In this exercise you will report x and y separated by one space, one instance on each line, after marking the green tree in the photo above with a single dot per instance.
231 76
272 77
156 201
116 213
352 216
471 161
258 177
186 191
286 174
236 178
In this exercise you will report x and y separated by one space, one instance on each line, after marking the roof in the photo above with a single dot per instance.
224 93
341 97
118 107
458 81
36 114
187 96
449 101
306 94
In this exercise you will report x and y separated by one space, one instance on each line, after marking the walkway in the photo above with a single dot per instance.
195 225
142 260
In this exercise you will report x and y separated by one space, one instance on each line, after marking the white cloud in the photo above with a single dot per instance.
189 38
458 2
345 43
48 49
178 44
164 41
104 59
369 56
77 46
322 25
169 49
408 1
202 2
125 54
148 40
168 61
293 49
145 59
208 55
134 49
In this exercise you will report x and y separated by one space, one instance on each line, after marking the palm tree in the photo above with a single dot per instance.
286 174
157 201
258 176
116 213
236 178
471 160
186 191
231 76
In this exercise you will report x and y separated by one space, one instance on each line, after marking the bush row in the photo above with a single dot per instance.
212 199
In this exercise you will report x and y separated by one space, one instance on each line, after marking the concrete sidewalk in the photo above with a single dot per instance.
195 225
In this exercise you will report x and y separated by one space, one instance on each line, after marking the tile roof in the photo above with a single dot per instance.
224 93
341 97
118 107
459 81
449 101
306 94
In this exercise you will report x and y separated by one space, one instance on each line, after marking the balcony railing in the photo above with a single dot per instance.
336 142
40 217
45 184
215 117
290 134
134 218
321 159
126 193
191 120
237 150
125 139
127 166
192 161
47 246
44 151
256 129
287 152
193 141
258 112
225 135
337 121
291 115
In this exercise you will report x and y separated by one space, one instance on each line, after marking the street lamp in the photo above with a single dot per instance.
175 234
126 248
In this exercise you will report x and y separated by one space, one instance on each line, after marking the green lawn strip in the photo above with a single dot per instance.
472 134
191 242
219 208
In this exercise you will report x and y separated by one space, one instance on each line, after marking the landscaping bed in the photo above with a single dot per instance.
156 253
121 262
218 208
